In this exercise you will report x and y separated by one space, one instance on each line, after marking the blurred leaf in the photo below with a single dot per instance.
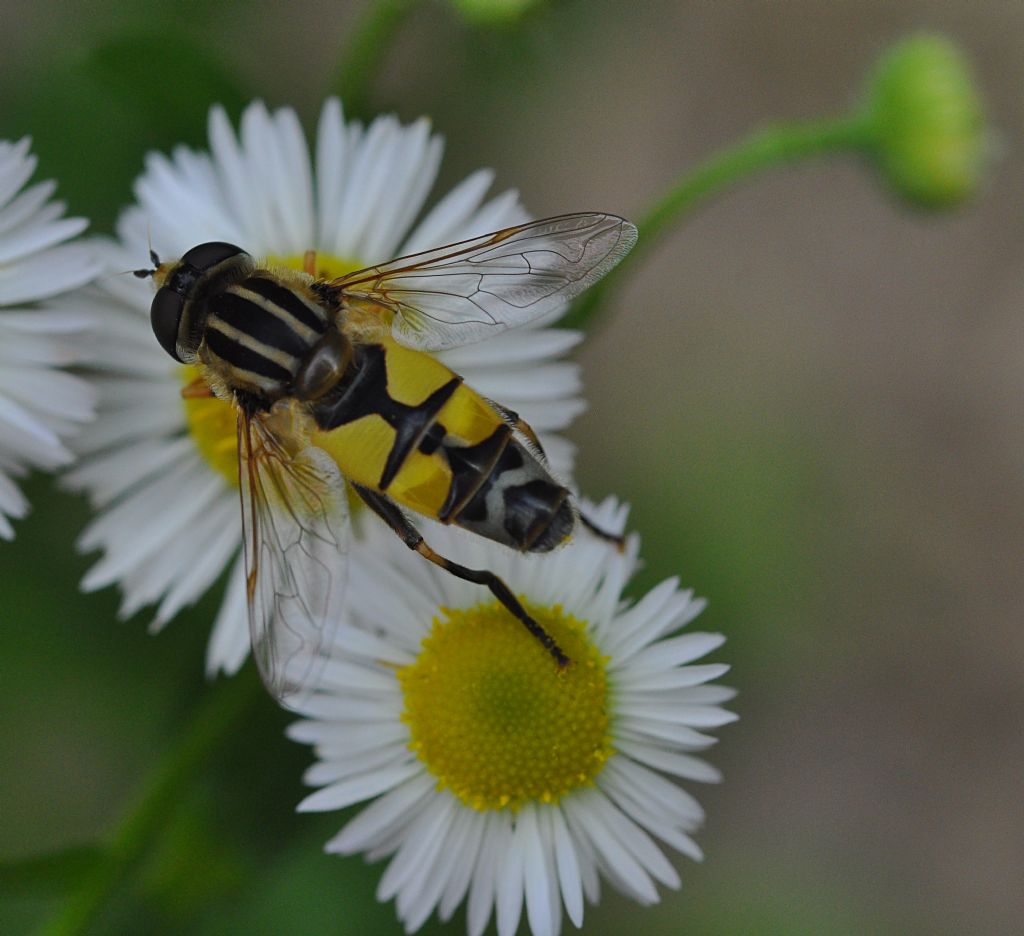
733 523
495 12
366 50
756 901
303 890
56 871
193 865
170 84
93 117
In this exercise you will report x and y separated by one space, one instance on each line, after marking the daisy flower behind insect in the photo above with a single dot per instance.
496 778
162 470
39 405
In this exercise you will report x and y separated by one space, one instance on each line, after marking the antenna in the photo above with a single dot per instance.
153 258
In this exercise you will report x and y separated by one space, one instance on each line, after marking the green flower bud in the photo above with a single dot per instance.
925 122
494 12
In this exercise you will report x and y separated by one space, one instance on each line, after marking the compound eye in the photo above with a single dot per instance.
165 316
206 256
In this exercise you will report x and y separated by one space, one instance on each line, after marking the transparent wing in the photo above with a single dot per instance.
296 532
465 292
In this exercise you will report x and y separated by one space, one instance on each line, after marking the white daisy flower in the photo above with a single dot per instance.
162 470
495 777
39 405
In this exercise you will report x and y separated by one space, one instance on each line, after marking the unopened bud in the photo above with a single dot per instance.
926 123
494 12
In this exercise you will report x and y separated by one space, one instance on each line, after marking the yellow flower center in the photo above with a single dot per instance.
212 425
492 716
211 421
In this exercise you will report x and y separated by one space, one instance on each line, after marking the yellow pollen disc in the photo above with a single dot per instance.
212 424
328 267
492 716
211 421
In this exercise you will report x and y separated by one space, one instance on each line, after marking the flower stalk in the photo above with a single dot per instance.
774 146
373 31
920 125
141 825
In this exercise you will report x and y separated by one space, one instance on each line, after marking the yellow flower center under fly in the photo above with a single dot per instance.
211 421
495 720
212 424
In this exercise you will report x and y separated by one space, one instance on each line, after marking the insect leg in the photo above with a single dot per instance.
197 389
309 262
619 541
519 424
412 538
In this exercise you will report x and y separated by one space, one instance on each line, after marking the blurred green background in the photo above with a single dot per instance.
811 395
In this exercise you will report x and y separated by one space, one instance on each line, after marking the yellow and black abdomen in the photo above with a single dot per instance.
406 426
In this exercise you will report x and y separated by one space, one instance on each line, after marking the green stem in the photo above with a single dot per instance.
373 30
141 825
765 149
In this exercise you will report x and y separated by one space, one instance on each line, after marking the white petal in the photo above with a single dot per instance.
645 729
331 163
12 501
672 801
630 836
671 829
351 711
566 863
496 838
46 230
383 815
709 695
28 203
47 273
447 220
509 894
17 417
672 762
511 348
500 212
697 716
677 650
141 524
466 860
219 538
619 865
233 174
344 677
548 381
537 884
16 167
108 476
333 737
229 641
360 787
422 841
416 902
411 171
366 181
294 180
48 392
331 771
639 684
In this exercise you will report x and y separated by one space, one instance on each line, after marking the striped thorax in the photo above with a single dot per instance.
254 329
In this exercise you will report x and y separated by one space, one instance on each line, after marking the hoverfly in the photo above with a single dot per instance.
348 360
